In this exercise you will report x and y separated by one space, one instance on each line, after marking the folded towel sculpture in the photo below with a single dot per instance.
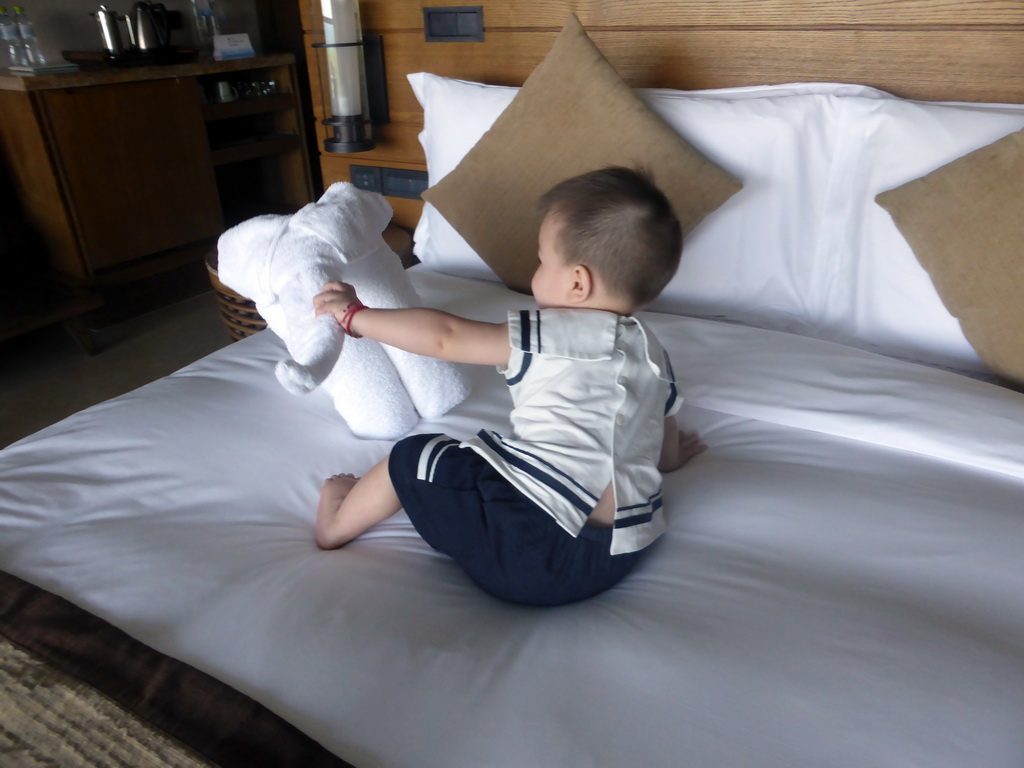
282 262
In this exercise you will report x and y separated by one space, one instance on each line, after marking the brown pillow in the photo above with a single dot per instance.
574 114
965 224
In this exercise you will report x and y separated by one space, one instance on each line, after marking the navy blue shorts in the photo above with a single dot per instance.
506 543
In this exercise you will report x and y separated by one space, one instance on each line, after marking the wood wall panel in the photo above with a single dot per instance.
390 15
717 59
916 65
968 50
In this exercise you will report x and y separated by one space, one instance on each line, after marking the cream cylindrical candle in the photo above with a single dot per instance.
344 64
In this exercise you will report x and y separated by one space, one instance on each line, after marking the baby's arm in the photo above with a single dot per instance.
678 447
429 332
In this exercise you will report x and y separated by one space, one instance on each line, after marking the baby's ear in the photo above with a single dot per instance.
582 283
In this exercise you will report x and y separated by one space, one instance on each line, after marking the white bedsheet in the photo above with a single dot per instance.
841 583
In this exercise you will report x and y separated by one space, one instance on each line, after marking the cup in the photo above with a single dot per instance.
226 91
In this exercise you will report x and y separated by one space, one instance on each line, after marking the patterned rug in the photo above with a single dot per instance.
49 719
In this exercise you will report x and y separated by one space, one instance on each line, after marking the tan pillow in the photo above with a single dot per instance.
965 223
574 114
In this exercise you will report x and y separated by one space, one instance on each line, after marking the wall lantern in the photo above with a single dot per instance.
356 88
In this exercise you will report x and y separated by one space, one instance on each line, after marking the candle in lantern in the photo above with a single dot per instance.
341 26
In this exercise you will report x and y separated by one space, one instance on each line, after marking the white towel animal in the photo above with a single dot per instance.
282 262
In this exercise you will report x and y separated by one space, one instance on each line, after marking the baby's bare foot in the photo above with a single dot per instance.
332 493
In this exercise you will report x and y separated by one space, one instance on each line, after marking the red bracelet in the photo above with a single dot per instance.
346 319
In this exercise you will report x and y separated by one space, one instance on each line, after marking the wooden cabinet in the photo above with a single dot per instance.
135 166
125 173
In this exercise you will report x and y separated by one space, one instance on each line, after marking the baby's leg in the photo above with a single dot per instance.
350 506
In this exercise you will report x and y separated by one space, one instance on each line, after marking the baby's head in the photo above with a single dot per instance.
618 224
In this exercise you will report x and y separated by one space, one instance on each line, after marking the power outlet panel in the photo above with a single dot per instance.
402 183
391 182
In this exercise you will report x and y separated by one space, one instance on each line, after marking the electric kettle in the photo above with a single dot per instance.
147 26
107 20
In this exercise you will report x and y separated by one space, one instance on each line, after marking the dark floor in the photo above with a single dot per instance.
45 376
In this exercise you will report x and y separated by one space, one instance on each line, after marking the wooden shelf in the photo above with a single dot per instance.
266 146
278 102
105 75
150 213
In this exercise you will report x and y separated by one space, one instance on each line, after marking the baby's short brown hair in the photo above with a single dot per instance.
619 224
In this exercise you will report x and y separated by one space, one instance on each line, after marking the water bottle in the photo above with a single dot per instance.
11 39
207 25
29 44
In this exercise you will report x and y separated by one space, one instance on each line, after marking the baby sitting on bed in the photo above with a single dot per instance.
563 508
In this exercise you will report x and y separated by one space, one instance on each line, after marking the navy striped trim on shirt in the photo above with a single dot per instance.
652 505
673 391
523 368
529 330
529 343
529 465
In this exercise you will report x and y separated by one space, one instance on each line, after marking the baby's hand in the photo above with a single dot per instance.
689 446
678 447
336 296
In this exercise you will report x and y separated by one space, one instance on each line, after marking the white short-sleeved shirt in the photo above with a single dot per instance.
590 391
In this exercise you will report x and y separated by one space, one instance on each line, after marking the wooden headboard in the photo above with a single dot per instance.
962 50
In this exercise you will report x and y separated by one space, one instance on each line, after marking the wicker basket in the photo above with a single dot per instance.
238 313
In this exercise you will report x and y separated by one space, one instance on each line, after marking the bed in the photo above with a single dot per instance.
841 581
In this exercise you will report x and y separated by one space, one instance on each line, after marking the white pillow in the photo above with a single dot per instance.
754 260
456 113
802 247
804 243
885 296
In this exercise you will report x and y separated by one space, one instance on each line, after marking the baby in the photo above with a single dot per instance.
564 507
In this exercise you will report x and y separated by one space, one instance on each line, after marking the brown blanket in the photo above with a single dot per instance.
68 647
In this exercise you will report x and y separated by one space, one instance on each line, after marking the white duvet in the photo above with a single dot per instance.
841 583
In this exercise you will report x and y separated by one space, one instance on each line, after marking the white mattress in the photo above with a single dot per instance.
841 583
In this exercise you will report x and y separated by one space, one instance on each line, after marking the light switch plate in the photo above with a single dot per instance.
366 177
454 24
